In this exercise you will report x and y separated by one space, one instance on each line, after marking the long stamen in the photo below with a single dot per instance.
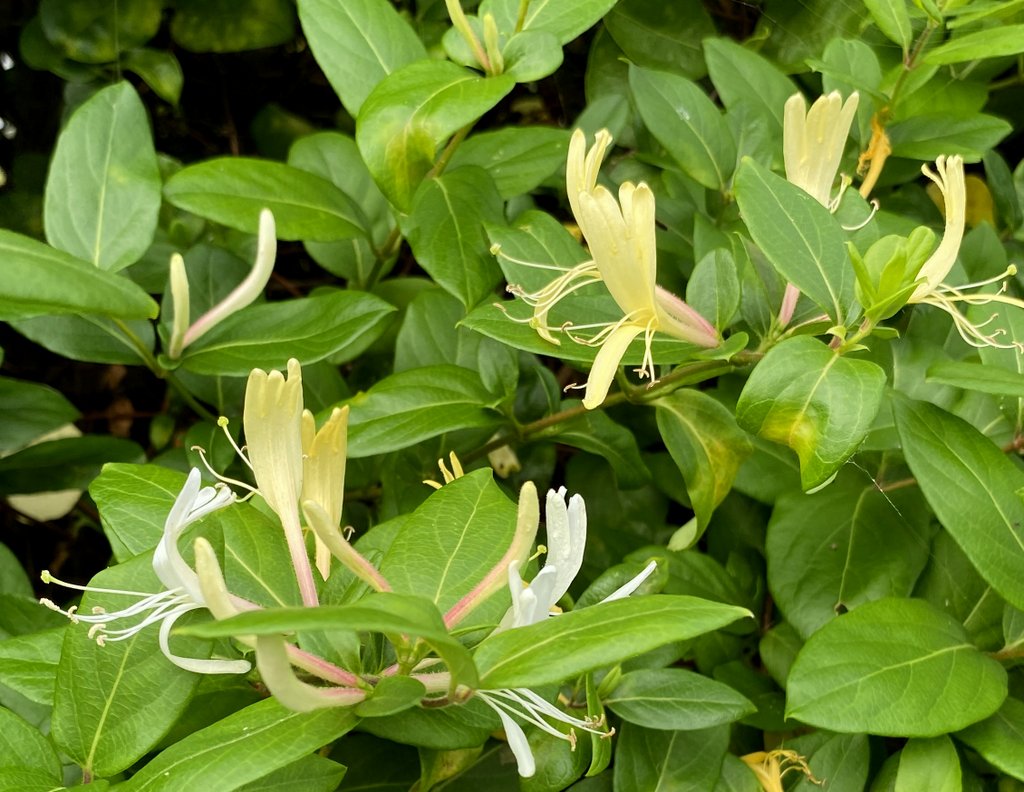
222 422
222 478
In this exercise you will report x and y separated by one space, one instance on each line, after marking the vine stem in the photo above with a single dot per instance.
159 371
684 375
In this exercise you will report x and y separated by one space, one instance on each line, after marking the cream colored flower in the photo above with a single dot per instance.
620 234
814 140
949 177
272 418
323 472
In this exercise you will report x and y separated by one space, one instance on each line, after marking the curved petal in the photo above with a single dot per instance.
629 587
567 537
288 689
950 180
607 362
194 664
517 741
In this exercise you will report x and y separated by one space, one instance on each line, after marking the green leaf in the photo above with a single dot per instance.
706 444
387 612
232 25
93 339
336 323
926 137
414 110
19 779
806 396
977 377
664 36
654 760
445 231
531 55
242 747
893 20
584 640
673 698
972 488
37 280
29 410
86 30
390 695
161 71
837 549
114 702
254 549
999 738
930 764
842 759
548 15
980 45
452 541
28 664
595 432
358 43
448 728
233 190
432 334
748 82
894 667
682 118
22 745
713 289
134 501
518 158
103 190
798 235
71 463
311 773
410 406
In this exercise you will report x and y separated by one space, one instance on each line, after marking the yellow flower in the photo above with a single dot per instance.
272 418
323 472
949 177
813 142
620 234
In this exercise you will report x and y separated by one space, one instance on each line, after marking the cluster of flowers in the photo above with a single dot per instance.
620 235
298 467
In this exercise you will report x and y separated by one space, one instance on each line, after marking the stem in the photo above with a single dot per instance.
524 6
159 371
684 375
911 61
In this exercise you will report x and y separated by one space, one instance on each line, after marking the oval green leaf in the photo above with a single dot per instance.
233 190
895 667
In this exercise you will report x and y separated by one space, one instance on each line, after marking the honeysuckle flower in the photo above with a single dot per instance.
272 418
949 177
621 236
769 767
182 586
182 333
323 471
566 527
526 705
814 140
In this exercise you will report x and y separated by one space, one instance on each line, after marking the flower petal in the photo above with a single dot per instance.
607 363
628 588
194 664
517 741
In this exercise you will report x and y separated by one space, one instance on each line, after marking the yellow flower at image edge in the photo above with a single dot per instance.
949 177
621 236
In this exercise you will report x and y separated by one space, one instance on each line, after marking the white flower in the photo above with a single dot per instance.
182 587
620 234
567 538
814 140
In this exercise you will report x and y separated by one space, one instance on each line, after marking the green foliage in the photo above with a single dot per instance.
788 539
